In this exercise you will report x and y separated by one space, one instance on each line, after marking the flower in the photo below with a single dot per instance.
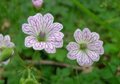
43 33
5 49
87 47
37 3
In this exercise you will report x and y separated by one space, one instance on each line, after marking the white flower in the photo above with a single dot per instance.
87 47
43 33
5 42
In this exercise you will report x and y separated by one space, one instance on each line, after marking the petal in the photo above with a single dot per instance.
58 44
1 37
78 35
10 44
94 37
73 54
34 22
56 36
27 29
86 34
72 46
7 38
92 55
39 45
96 47
83 59
48 20
29 41
55 27
100 51
49 48
40 22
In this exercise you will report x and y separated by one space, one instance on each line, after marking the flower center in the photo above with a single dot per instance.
41 36
83 46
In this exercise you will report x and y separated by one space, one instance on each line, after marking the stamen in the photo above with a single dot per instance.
83 46
41 36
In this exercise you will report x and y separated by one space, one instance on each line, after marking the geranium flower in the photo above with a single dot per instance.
87 47
5 43
43 33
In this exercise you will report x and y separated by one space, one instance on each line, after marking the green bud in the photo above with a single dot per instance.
5 54
30 81
22 81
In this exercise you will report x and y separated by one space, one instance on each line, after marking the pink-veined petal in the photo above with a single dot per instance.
29 41
27 29
48 21
78 35
83 59
49 48
96 47
94 37
56 36
73 54
39 45
86 34
58 44
72 46
92 55
55 27
34 22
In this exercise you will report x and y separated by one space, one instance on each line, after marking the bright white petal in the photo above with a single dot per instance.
84 60
73 54
49 48
39 45
72 46
92 55
29 41
78 35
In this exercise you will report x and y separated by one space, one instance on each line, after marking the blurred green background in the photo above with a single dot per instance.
102 16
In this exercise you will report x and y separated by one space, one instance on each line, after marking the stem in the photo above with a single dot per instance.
53 63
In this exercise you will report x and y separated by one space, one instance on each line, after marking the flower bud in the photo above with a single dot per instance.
28 81
37 3
5 54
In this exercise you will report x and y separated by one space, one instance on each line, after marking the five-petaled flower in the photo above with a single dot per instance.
5 45
43 33
87 47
